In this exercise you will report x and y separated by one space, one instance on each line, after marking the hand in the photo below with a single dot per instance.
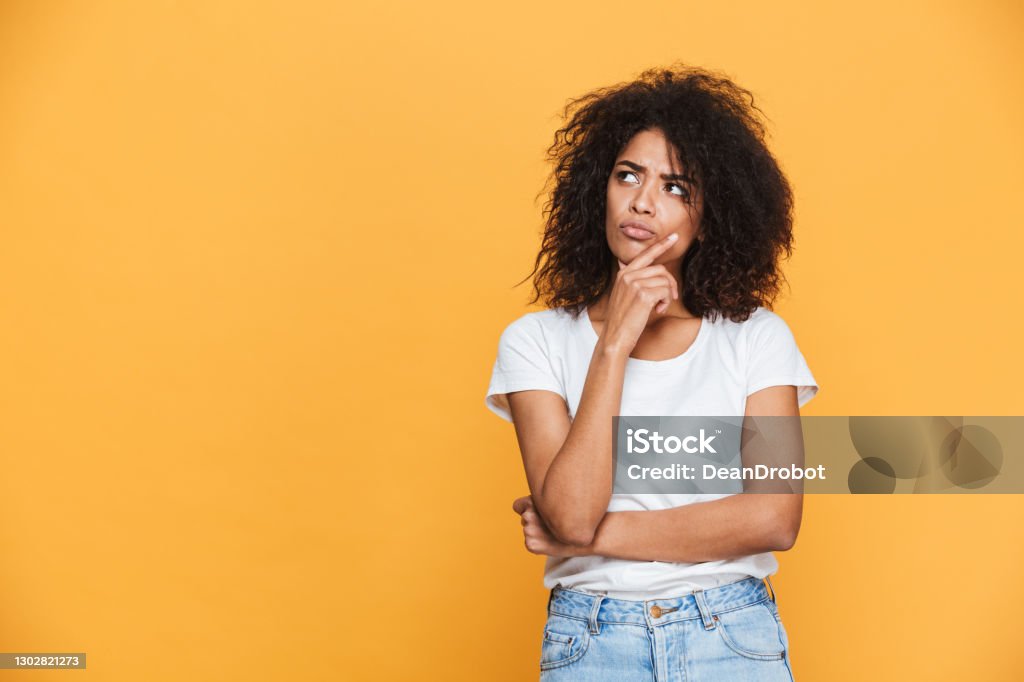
537 537
638 288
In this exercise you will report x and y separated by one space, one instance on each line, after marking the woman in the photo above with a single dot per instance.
667 221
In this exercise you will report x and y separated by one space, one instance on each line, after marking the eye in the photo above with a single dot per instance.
683 192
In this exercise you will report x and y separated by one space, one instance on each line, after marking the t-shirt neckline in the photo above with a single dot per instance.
637 363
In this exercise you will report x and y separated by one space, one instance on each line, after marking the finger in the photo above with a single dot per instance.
520 504
656 274
647 256
664 297
657 285
621 264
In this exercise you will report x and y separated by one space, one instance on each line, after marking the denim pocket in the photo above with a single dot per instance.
565 641
774 609
778 619
753 632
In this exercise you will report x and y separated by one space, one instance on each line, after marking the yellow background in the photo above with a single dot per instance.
256 257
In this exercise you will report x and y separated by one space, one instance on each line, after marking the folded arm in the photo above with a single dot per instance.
725 528
569 462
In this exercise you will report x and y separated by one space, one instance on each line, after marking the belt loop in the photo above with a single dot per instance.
705 612
768 578
551 596
595 628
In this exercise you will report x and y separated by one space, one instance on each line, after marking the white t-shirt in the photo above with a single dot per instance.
728 361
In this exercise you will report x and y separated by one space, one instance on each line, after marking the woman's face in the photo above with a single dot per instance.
648 198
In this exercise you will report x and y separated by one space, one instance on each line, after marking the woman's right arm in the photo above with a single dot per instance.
569 462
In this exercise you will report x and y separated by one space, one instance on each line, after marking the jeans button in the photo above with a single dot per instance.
656 611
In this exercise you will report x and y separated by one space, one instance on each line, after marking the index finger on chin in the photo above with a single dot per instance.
648 255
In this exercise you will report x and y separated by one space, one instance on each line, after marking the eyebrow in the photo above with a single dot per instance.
638 167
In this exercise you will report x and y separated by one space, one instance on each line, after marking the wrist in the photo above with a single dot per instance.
612 349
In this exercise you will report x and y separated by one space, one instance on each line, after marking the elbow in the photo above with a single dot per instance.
785 538
572 529
580 538
576 534
783 530
572 522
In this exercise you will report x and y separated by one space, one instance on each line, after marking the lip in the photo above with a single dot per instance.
635 229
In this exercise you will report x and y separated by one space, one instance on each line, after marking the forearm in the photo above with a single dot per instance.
726 528
578 484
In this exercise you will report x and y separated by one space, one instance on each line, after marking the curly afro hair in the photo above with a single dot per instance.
719 137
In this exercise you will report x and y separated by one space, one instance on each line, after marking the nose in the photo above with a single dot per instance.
643 202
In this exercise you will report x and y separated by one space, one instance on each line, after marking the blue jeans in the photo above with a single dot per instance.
730 632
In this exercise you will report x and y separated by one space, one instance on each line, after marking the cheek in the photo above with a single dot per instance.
617 197
687 237
676 252
687 218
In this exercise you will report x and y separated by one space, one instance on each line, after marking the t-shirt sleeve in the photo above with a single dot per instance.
523 364
775 360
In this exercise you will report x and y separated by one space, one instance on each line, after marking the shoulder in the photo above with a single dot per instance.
767 335
761 321
765 320
762 332
541 326
767 328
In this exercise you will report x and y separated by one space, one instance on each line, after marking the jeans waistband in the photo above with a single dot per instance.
703 604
